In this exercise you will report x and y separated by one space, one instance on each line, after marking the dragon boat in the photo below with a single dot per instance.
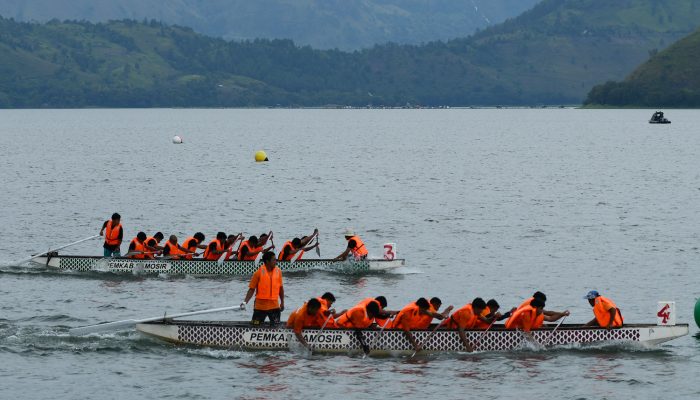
197 267
243 336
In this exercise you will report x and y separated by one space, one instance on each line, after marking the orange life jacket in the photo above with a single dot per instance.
288 244
481 324
422 321
173 250
138 246
528 311
210 255
112 234
251 254
407 317
153 245
269 284
378 321
190 244
466 312
539 321
359 251
345 320
602 315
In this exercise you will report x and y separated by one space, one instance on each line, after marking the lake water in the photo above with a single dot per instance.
492 203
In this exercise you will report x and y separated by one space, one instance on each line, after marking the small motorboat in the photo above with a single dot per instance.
658 118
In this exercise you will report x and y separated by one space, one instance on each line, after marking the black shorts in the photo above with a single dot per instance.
260 315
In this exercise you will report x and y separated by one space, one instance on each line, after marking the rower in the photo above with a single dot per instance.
173 250
491 314
230 242
193 243
607 315
296 245
152 244
267 286
113 233
532 316
307 316
413 317
355 246
137 248
542 297
359 316
383 315
467 317
424 320
215 248
250 248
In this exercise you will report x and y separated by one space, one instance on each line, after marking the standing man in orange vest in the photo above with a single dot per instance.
113 233
607 315
355 246
267 286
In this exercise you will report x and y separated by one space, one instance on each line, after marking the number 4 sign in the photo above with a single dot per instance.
389 251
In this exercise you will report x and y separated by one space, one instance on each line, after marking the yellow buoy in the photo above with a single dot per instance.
260 156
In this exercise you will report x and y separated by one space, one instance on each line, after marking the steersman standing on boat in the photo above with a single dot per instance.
267 286
355 246
113 233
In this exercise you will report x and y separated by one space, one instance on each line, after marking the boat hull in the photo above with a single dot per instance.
243 336
206 268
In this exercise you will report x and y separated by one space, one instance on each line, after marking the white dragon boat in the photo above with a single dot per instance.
197 267
243 336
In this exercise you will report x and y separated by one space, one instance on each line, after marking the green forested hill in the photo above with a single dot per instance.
669 79
552 54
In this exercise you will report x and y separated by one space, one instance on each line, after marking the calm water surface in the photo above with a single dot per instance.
490 203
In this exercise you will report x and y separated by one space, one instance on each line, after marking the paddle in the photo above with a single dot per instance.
551 335
376 339
318 248
128 323
56 249
311 345
483 334
361 339
430 335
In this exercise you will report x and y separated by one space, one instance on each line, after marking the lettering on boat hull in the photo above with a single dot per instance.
260 338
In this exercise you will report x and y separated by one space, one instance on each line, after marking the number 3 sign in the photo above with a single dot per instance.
389 251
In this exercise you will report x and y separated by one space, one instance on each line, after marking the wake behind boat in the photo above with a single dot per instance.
237 335
199 267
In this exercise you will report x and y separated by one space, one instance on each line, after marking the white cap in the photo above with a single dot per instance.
349 232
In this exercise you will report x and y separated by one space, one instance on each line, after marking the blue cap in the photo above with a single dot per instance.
591 295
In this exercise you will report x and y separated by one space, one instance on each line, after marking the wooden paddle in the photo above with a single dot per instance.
551 335
483 334
20 262
376 339
129 323
430 335
318 248
311 345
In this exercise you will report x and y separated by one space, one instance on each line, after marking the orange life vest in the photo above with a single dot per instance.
138 246
112 234
210 255
173 250
481 324
359 251
345 320
251 254
602 315
190 244
153 245
406 318
378 321
269 284
517 319
422 321
539 321
466 312
290 254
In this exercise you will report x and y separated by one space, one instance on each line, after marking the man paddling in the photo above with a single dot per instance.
532 316
383 315
267 286
308 315
413 316
491 314
467 317
355 247
173 250
152 244
296 245
216 248
250 248
137 247
606 313
193 243
113 233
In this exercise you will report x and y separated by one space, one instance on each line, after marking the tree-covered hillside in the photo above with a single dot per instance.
552 54
669 79
344 24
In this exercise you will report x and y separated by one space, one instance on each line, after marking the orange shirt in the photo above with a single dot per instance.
262 304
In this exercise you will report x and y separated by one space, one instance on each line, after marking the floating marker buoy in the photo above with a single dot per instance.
260 156
697 313
177 139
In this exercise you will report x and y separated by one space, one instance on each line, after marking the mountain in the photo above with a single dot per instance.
344 24
552 54
670 78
